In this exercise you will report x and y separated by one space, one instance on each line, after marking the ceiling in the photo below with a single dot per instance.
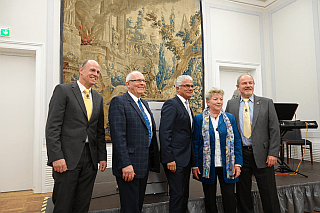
256 3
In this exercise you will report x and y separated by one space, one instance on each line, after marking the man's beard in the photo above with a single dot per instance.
248 92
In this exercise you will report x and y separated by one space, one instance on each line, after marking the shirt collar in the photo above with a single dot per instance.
251 98
217 116
182 99
133 97
82 88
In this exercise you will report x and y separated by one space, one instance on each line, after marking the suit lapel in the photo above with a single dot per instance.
135 106
149 110
211 130
236 110
192 119
182 106
256 110
78 95
94 95
220 120
211 127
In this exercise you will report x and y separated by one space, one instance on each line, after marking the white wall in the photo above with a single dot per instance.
235 35
294 44
282 39
295 59
35 30
234 44
26 20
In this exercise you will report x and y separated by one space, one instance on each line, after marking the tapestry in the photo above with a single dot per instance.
160 38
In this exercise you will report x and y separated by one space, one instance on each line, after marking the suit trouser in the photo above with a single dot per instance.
227 192
132 194
178 188
73 189
266 184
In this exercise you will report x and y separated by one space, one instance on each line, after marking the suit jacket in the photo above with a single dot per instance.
198 146
68 127
175 133
130 137
265 131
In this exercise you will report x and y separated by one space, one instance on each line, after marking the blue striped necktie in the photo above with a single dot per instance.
145 119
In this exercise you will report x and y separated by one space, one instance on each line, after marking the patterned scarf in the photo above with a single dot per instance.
230 158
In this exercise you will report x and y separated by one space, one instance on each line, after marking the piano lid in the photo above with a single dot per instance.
285 111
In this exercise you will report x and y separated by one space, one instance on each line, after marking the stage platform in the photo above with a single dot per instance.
297 194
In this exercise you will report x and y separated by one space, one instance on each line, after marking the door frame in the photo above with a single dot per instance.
253 69
37 50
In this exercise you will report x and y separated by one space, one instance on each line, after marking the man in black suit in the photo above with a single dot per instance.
75 139
260 142
177 155
134 142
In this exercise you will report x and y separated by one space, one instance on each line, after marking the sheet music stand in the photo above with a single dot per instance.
285 111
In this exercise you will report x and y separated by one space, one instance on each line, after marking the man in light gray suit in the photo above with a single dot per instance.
260 135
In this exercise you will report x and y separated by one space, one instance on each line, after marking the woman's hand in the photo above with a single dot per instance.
237 171
195 173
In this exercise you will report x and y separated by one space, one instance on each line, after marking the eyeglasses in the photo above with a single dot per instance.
187 85
139 80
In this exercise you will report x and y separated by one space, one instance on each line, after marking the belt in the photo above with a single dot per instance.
247 147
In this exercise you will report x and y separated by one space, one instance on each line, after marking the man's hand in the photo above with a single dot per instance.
60 165
195 173
103 165
128 173
172 166
237 171
271 160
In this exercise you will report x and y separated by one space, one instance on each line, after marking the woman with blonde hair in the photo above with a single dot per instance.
218 152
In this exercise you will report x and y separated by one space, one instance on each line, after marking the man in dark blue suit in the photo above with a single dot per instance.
177 155
134 142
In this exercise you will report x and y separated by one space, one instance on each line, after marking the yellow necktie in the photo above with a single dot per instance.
246 119
87 103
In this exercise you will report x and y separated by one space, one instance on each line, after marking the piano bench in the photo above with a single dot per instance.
300 142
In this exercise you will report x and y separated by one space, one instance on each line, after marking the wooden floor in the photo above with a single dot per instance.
22 201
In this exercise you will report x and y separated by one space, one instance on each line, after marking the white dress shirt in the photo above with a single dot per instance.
144 108
184 101
217 149
82 88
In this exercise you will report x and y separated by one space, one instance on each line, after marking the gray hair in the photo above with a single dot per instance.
238 80
86 61
128 78
212 91
181 78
